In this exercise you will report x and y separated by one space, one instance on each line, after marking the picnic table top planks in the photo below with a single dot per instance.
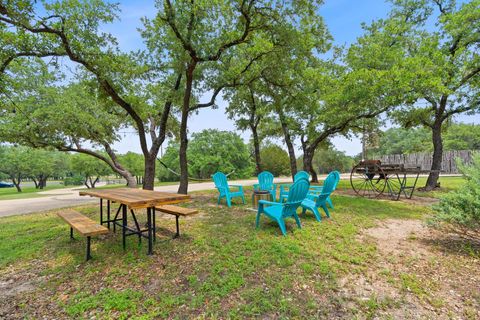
137 198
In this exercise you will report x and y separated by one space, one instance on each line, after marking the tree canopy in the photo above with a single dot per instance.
211 151
438 63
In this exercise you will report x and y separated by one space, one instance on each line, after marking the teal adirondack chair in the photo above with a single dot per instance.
315 201
285 187
221 183
279 211
265 182
318 189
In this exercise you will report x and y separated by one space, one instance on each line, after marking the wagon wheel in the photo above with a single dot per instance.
393 185
368 180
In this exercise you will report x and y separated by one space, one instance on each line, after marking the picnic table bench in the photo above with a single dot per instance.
83 225
177 212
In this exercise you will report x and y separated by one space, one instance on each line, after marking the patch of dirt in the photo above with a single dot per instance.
12 288
415 276
392 235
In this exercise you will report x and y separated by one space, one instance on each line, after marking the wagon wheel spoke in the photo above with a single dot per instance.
368 180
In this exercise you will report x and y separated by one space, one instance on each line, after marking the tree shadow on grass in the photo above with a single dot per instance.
455 245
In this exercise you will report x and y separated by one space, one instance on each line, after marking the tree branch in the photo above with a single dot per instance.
11 58
104 83
467 77
246 31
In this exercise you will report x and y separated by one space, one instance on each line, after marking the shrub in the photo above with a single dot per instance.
210 151
460 210
73 181
275 160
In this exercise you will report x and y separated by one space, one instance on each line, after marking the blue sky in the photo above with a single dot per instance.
343 18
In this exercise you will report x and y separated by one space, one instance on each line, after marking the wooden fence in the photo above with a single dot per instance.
424 160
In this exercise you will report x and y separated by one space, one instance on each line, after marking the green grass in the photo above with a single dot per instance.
27 192
221 267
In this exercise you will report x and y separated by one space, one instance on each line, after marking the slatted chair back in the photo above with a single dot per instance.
301 175
221 183
296 194
328 187
265 181
337 179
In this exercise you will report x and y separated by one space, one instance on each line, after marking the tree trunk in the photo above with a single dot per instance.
35 182
131 183
42 181
183 187
86 182
94 182
256 149
308 164
288 142
16 183
149 180
118 168
432 181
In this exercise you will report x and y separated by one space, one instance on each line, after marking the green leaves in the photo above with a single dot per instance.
461 209
211 151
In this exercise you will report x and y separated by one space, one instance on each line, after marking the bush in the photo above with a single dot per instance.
460 210
73 181
275 160
327 159
210 151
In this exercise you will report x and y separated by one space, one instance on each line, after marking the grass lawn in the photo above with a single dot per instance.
27 191
350 266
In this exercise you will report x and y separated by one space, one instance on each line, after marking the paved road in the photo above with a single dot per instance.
62 198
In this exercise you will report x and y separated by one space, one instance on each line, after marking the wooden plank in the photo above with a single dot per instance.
137 198
83 225
175 210
424 160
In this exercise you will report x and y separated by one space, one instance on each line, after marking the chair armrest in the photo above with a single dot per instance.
270 203
315 196
285 184
255 186
236 186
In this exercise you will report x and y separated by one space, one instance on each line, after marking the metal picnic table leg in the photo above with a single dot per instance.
88 248
124 225
150 229
101 211
108 213
138 227
154 225
177 234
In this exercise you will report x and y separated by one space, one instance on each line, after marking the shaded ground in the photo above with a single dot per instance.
371 260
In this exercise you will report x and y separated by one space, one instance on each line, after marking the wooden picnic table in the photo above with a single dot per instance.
134 199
